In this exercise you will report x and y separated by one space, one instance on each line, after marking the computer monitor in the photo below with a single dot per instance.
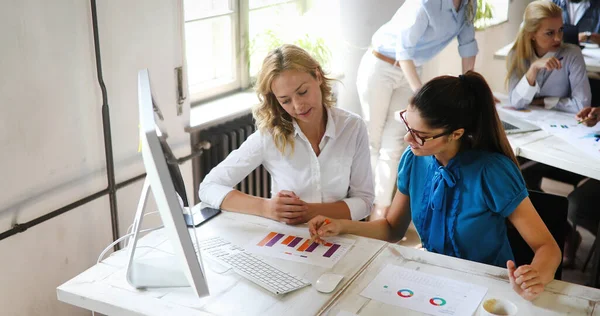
184 268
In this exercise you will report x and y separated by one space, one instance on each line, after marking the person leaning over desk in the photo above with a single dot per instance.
316 154
459 181
389 73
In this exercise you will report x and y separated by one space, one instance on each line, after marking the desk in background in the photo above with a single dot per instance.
551 150
103 288
591 55
560 298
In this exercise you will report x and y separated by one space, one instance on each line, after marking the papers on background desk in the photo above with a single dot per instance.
592 51
585 139
424 292
564 126
293 243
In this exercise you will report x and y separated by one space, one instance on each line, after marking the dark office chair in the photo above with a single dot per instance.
596 265
553 211
571 34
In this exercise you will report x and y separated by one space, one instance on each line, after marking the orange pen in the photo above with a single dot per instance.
325 222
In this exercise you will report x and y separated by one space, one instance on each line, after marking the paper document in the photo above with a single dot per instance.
582 138
293 243
563 125
423 292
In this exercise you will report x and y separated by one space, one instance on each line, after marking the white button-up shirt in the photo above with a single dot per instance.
342 171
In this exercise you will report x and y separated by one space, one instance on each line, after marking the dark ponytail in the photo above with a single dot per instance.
465 102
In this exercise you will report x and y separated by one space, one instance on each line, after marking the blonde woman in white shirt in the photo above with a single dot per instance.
317 155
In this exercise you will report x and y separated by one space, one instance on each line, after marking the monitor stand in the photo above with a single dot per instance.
156 272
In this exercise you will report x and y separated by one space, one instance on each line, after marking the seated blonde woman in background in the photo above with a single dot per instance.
316 154
542 70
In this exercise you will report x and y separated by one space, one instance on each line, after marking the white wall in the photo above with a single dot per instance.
360 19
51 133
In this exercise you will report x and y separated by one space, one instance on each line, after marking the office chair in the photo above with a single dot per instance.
553 211
596 265
571 34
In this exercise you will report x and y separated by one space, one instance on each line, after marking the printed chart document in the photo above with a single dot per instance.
564 126
583 138
293 243
423 292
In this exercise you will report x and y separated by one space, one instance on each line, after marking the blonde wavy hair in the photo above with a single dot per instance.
523 49
269 115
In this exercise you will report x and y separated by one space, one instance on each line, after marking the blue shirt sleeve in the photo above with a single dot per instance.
411 28
467 45
503 187
404 169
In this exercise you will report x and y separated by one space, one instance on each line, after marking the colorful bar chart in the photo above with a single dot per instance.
288 240
331 250
292 241
293 244
312 247
266 239
304 246
274 240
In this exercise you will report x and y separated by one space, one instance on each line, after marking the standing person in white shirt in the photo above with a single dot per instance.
317 154
389 74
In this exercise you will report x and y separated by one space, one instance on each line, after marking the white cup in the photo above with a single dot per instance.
497 306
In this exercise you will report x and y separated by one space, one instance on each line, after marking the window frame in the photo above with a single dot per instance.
240 12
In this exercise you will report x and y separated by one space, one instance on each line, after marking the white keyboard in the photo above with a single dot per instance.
251 267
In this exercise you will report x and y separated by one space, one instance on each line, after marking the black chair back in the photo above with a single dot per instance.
553 211
571 34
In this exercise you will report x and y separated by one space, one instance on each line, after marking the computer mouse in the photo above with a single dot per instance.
328 282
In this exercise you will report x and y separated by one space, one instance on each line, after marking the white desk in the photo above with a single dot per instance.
543 147
591 55
103 287
560 298
556 152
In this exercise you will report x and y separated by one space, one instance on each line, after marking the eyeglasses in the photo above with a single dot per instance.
420 140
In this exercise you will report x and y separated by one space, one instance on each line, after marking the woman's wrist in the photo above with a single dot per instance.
345 226
264 208
531 75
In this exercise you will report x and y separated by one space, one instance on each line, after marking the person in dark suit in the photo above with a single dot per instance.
585 14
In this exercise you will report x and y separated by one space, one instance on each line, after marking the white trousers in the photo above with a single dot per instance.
383 91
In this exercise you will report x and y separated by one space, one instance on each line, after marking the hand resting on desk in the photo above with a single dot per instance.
525 280
286 207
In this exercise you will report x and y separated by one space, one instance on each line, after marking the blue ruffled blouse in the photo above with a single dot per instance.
460 209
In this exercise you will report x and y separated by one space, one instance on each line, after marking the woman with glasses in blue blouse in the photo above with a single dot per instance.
459 182
389 74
